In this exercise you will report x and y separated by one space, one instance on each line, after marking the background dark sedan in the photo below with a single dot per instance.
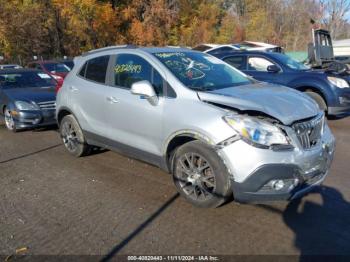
328 88
27 98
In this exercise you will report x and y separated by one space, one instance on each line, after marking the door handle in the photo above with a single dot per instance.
112 99
73 89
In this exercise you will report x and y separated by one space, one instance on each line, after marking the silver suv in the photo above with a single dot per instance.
217 131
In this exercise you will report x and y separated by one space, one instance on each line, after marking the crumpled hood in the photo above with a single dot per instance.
282 103
35 94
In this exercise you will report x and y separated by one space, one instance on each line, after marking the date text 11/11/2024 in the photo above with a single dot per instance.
173 258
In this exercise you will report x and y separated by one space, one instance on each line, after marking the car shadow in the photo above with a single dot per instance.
335 118
96 151
45 128
116 249
30 154
320 229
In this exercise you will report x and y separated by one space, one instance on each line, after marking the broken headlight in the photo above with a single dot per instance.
257 132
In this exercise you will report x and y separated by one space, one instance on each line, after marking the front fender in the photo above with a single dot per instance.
9 105
318 84
189 133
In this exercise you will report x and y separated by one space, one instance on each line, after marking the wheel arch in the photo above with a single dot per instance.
178 139
305 88
10 106
62 113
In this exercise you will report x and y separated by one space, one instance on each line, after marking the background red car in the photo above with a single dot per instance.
57 70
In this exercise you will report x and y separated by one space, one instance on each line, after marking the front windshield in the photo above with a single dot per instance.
291 63
201 71
57 68
25 80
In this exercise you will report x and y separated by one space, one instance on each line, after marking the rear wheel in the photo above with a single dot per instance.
9 121
318 99
72 136
200 175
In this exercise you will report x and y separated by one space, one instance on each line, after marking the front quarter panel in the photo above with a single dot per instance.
5 101
196 118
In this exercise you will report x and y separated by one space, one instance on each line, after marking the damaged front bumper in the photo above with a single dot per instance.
264 174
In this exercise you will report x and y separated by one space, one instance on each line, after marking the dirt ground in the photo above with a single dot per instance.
107 204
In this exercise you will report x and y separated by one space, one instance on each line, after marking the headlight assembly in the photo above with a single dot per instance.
338 82
22 105
256 132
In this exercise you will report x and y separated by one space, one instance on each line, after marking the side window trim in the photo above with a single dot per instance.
268 59
86 67
110 70
112 77
81 68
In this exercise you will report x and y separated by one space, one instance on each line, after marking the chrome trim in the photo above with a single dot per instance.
309 132
48 105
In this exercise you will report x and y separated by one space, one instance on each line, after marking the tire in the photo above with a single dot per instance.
200 175
9 121
319 100
73 137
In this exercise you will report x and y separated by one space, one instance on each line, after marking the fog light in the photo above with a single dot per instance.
280 185
277 184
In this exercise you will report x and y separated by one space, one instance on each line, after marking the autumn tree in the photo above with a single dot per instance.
53 28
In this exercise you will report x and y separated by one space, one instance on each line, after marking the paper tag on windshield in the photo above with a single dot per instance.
44 76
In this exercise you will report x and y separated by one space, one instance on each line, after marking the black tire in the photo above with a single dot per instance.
319 100
73 137
205 188
8 118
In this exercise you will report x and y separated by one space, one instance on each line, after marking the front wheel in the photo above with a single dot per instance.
9 121
72 136
200 176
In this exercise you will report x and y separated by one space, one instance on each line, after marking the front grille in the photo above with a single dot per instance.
49 105
309 132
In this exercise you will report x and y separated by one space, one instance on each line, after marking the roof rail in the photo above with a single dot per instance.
107 48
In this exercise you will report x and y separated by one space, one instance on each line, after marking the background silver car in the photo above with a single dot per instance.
219 132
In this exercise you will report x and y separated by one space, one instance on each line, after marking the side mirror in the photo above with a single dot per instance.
144 88
273 69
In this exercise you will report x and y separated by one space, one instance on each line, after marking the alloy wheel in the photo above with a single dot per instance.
9 122
196 176
69 136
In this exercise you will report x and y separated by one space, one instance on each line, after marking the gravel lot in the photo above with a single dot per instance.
107 204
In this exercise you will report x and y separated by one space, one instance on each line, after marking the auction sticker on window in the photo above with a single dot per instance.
128 68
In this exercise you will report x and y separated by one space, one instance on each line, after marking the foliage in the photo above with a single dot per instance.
53 28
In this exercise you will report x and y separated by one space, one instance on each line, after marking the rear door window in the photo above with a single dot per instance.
238 62
96 69
129 69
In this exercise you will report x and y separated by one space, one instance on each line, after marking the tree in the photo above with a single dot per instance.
334 16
